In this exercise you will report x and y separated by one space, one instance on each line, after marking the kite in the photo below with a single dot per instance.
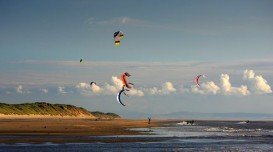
118 97
197 79
124 81
91 83
117 37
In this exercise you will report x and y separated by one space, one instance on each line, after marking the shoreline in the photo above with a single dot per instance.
62 131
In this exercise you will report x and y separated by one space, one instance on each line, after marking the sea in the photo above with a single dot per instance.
197 136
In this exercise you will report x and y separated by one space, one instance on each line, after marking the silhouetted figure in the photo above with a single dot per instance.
149 120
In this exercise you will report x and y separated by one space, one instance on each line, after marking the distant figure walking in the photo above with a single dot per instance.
149 120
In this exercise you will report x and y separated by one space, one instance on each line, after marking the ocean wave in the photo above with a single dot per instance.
185 123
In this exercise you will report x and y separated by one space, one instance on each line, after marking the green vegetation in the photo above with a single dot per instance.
43 108
102 115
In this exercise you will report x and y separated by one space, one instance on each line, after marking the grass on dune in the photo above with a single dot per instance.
43 108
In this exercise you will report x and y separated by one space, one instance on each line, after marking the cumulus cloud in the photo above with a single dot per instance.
111 88
62 90
117 82
227 88
108 89
117 85
257 83
155 91
20 89
95 88
166 88
206 88
44 90
82 85
85 88
135 92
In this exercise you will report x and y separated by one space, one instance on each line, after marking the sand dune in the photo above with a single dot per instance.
32 116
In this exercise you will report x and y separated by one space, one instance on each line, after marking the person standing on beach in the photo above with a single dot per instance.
149 120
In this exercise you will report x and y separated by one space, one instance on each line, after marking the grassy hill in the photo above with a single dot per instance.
43 108
102 115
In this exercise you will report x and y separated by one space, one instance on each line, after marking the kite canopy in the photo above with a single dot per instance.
118 97
197 79
117 37
91 83
124 80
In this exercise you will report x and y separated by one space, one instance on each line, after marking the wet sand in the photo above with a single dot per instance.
72 130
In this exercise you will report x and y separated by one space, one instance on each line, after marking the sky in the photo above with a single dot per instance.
166 44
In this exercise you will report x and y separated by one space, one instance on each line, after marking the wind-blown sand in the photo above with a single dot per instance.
74 130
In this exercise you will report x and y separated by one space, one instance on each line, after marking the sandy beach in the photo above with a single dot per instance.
69 130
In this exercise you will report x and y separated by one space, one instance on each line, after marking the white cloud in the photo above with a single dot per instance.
248 74
117 82
85 88
254 84
257 83
206 88
154 91
44 90
95 88
117 85
210 87
111 88
227 88
183 71
108 89
166 88
82 85
62 90
135 92
20 89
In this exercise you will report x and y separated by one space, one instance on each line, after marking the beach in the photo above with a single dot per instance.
38 130
65 135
